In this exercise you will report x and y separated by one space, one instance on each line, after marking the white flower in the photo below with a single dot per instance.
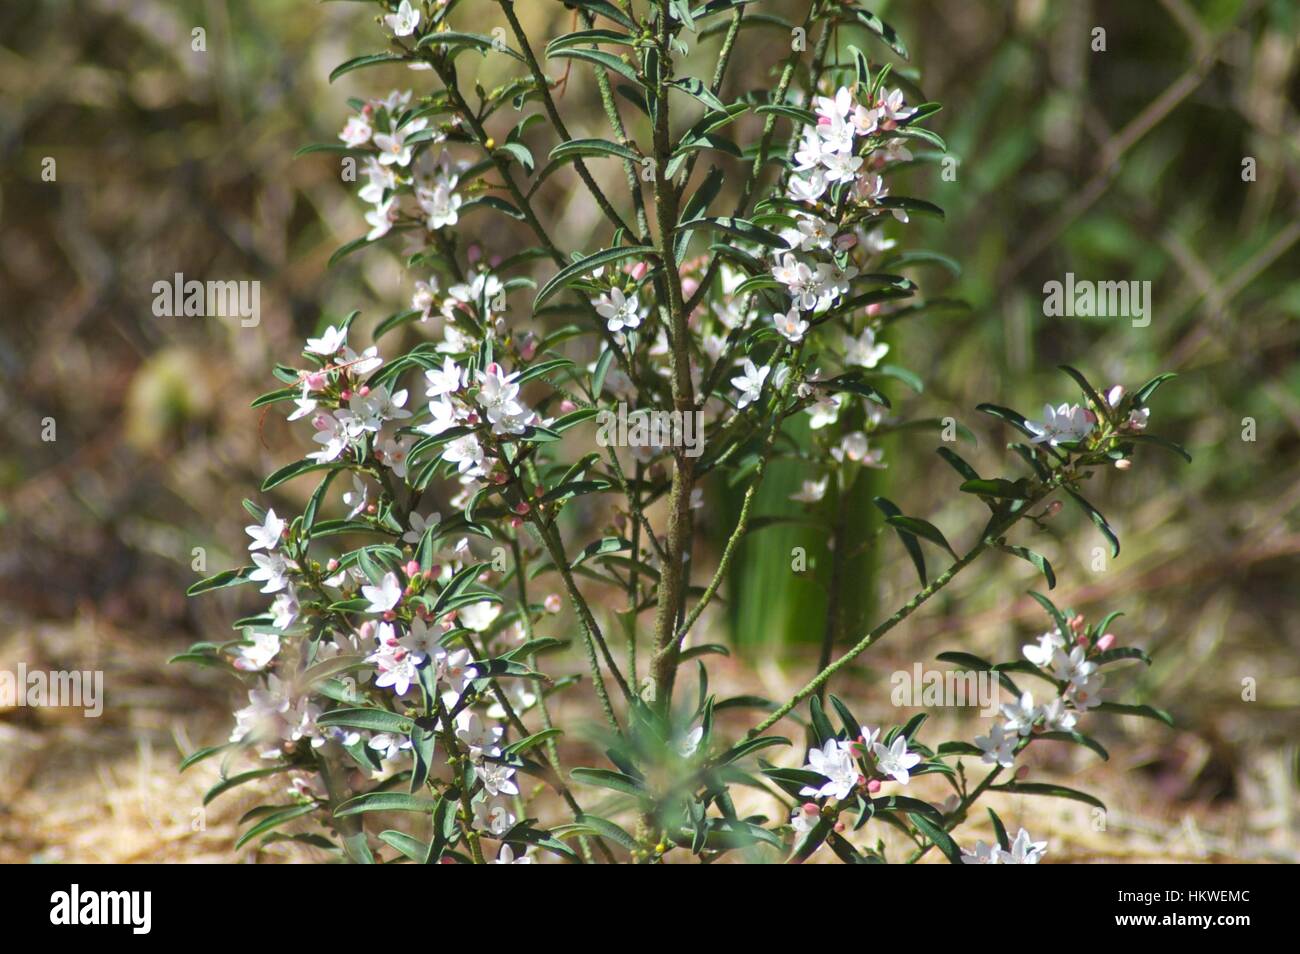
750 383
445 380
478 736
825 411
495 815
273 569
267 534
804 285
1137 419
497 779
356 498
518 693
392 452
811 491
1069 422
618 310
895 761
801 821
506 856
381 219
331 432
1086 693
1048 643
790 325
285 609
854 447
1024 850
807 188
982 855
404 21
384 596
835 763
998 747
259 654
398 670
381 179
1074 668
1058 718
362 364
1021 715
420 523
466 453
690 742
444 416
331 341
810 233
393 147
356 132
441 205
390 746
479 616
863 350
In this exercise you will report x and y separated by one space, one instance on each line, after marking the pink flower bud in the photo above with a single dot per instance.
332 565
567 406
839 826
412 568
810 808
315 380
522 507
528 349
873 786
552 603
367 629
516 523
389 616
845 241
364 390
1105 642
345 395
639 270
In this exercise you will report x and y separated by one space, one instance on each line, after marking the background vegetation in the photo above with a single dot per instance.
1115 165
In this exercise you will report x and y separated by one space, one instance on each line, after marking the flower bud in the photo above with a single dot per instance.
1105 642
839 826
345 395
552 603
1053 508
810 808
873 786
1123 464
412 569
522 507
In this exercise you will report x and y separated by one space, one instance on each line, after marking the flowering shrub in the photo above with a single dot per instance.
405 664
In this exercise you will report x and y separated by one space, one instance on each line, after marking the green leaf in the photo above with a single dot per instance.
386 802
234 781
606 778
1077 738
1095 516
376 720
741 228
938 837
586 266
359 62
1037 559
274 821
1145 712
882 30
1144 393
410 847
1054 791
996 487
607 829
221 580
296 469
889 509
600 58
921 528
575 148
